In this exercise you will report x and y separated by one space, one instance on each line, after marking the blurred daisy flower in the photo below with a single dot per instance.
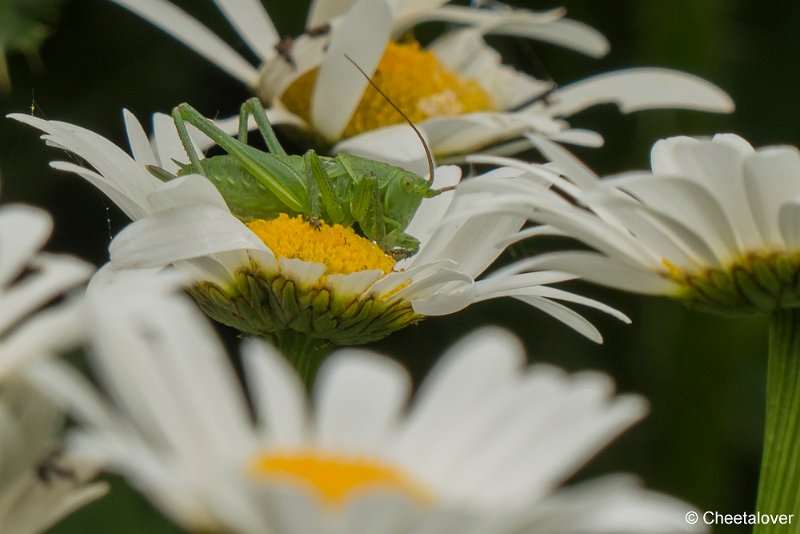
456 88
38 486
305 286
484 446
714 224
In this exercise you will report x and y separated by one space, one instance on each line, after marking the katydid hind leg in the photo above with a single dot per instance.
183 134
264 167
253 107
243 129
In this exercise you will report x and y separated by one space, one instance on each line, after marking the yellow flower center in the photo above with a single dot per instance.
412 78
340 249
336 478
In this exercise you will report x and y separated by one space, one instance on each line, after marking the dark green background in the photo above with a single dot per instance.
703 375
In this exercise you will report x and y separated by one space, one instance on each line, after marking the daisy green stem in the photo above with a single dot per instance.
304 352
779 483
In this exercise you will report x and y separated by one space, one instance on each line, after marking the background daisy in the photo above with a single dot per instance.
456 88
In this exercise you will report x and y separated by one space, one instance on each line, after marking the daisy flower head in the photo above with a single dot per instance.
39 483
38 486
483 447
456 88
714 223
303 283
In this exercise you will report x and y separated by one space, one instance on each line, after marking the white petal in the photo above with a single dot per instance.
167 144
685 203
719 167
362 36
140 144
303 273
771 177
455 298
54 330
476 366
55 275
23 231
189 190
134 207
322 11
466 53
192 232
789 222
355 283
637 89
188 30
279 398
358 399
576 136
567 163
615 504
566 315
109 160
607 271
424 287
396 145
253 23
432 210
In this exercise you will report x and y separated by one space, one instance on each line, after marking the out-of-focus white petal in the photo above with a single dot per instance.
188 30
361 36
637 89
323 11
253 23
23 231
278 395
348 378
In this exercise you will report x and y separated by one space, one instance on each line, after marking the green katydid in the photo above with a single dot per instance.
380 198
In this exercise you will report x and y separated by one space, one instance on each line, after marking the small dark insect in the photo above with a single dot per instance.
48 469
317 31
284 50
284 46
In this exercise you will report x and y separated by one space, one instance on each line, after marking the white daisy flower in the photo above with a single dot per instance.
483 447
37 486
293 281
456 88
714 223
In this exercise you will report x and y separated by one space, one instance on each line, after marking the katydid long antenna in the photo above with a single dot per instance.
416 131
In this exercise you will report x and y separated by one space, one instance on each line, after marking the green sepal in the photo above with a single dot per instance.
268 305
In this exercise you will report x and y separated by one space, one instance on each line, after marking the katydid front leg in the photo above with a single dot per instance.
330 206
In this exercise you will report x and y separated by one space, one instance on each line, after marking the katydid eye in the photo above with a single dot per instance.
407 183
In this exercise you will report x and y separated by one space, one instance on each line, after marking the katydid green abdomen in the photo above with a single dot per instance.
246 197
